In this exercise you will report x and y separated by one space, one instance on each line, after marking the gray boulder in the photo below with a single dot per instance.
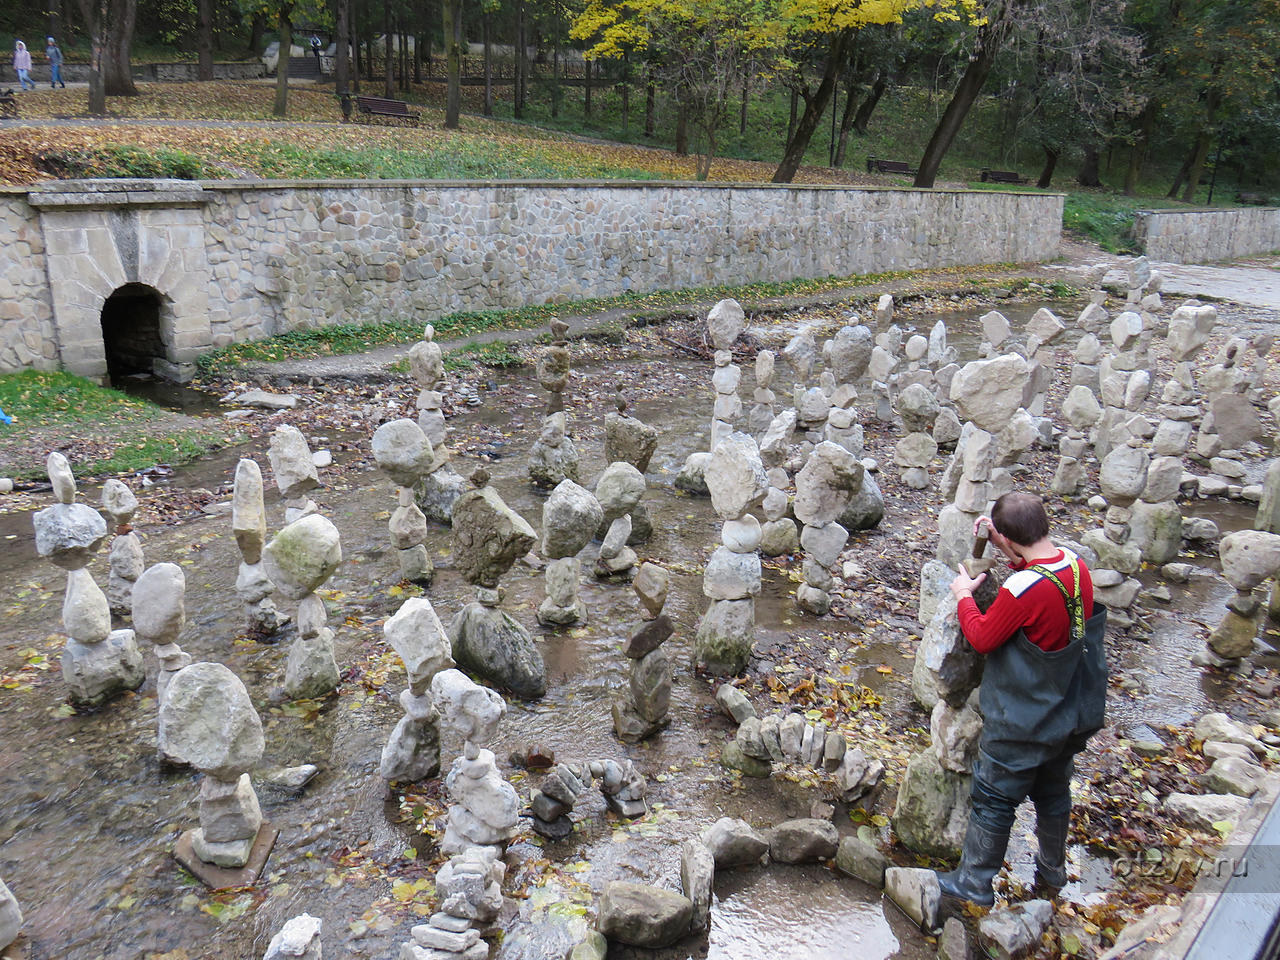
803 841
302 556
1009 933
734 843
208 721
403 451
643 916
496 646
69 534
488 536
570 517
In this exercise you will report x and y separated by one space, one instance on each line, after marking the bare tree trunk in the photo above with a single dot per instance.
257 25
204 40
815 106
650 107
342 63
281 106
389 80
746 93
1203 142
682 125
1137 153
791 120
846 123
488 63
863 116
518 92
452 21
991 36
586 90
1183 170
118 43
1051 155
1088 175
624 89
94 13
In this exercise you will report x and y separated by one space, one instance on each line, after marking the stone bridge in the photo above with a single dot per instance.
112 277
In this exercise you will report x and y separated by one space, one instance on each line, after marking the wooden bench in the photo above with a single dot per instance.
8 105
876 165
369 107
1003 176
1254 199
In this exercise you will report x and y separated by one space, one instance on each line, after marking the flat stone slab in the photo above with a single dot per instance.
223 878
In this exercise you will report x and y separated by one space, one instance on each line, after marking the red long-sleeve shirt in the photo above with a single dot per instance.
1030 602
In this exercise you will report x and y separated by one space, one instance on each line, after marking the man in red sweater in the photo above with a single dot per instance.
1042 695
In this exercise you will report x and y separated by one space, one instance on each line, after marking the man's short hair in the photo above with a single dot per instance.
1021 518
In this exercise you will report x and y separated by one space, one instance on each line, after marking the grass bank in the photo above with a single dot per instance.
341 339
102 431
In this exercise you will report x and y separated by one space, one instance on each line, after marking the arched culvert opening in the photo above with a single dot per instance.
131 331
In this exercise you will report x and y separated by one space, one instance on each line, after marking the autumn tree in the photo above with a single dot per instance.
451 11
698 50
109 25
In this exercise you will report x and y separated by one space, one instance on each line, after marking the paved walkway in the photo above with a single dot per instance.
1253 283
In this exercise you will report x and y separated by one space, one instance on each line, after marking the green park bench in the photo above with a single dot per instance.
1003 176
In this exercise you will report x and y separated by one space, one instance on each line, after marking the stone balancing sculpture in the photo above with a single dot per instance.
209 722
97 662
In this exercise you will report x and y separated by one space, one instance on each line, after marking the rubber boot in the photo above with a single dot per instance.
1051 858
982 859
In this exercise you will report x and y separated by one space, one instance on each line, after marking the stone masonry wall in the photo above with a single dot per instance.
27 336
281 255
309 254
1204 236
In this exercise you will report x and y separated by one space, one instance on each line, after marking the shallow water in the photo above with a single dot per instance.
88 816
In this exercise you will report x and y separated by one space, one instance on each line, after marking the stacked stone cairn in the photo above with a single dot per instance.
405 455
125 556
1232 422
298 560
628 440
553 456
725 323
442 485
484 813
470 890
97 662
208 722
1081 410
933 802
1125 384
622 785
829 479
619 491
1122 478
570 516
488 537
1190 327
918 408
294 469
1268 519
812 404
787 738
413 751
1249 559
884 360
159 614
10 917
249 525
764 399
779 535
1042 330
640 710
847 354
726 633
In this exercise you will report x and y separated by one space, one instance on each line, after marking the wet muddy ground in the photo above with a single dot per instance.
88 816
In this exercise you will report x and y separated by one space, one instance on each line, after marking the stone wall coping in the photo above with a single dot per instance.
593 184
116 186
1182 211
97 194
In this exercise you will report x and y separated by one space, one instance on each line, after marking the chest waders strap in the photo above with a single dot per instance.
1075 606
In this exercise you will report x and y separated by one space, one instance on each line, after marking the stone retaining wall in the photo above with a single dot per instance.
268 257
1205 236
185 70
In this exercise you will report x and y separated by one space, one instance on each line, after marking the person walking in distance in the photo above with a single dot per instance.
22 64
1043 694
54 53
